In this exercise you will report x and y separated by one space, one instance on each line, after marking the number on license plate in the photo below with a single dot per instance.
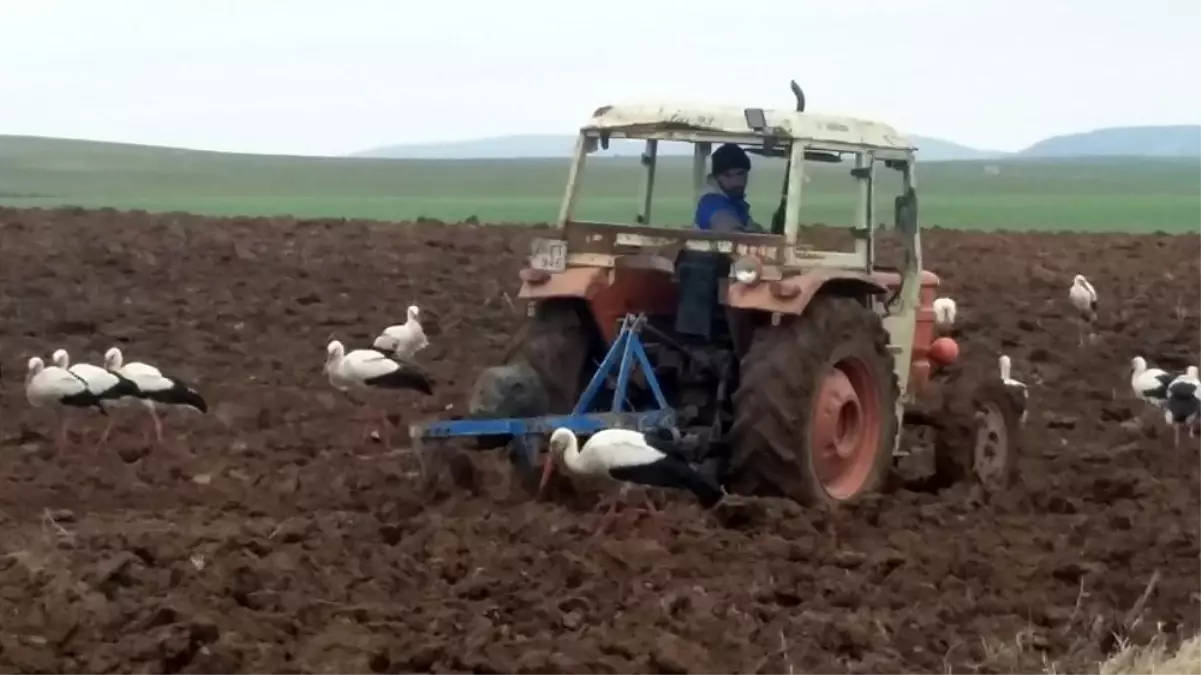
549 255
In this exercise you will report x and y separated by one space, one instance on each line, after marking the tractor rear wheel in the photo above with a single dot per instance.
815 411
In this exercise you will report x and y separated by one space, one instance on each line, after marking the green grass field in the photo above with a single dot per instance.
1138 195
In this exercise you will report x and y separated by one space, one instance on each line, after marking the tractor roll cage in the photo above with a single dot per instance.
795 135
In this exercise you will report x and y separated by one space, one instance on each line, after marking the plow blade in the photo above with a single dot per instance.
626 352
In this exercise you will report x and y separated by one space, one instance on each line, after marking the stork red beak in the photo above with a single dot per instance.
548 467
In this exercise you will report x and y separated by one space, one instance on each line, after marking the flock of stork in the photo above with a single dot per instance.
387 364
117 384
620 455
1176 394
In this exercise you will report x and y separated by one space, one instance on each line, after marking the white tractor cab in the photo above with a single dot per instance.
787 366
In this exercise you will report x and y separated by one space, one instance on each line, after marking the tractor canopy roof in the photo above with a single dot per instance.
691 122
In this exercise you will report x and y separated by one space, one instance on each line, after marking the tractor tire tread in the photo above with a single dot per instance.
777 387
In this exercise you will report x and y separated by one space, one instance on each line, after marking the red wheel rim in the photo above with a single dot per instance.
845 431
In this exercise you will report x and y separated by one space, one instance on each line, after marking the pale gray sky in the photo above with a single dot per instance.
330 77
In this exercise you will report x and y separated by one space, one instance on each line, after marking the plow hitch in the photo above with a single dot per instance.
626 351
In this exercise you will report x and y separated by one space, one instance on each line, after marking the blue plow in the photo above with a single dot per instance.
626 350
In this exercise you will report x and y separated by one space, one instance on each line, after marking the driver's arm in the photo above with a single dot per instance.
724 221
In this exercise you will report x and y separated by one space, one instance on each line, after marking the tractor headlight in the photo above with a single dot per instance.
747 270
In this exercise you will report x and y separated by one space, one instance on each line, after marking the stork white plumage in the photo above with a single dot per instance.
110 389
624 456
944 312
405 339
1084 298
1006 367
368 369
52 385
154 388
1183 404
1149 384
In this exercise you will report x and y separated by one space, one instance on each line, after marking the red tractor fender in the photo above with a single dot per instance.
792 295
576 282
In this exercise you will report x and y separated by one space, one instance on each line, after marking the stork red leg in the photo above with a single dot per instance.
607 518
385 430
62 432
108 429
158 426
650 503
367 425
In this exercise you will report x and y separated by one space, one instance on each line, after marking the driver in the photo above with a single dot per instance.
722 206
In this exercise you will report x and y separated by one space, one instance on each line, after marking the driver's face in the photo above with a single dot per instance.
733 182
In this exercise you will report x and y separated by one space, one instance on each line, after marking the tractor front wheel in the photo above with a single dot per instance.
545 369
815 412
979 436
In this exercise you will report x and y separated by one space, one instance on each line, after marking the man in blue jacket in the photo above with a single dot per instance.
723 206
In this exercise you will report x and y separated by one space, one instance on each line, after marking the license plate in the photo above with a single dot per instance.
549 255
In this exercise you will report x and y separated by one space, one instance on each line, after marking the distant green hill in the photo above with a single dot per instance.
1166 141
1084 194
1148 141
560 145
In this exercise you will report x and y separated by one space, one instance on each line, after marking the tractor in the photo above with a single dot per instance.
780 369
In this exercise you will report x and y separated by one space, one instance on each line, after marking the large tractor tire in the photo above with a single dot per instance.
545 369
557 343
815 410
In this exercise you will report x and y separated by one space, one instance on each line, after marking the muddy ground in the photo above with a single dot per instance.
266 537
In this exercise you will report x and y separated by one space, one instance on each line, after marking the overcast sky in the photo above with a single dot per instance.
325 77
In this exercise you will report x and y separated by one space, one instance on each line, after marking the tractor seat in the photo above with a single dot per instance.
698 276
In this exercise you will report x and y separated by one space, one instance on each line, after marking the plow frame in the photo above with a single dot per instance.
620 360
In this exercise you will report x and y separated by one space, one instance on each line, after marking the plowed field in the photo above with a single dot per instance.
266 537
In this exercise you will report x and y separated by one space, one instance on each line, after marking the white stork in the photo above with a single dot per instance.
110 389
944 312
1183 404
1084 299
154 388
405 339
624 456
1006 367
368 369
1150 385
47 385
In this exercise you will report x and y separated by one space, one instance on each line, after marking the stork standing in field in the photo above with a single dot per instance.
1006 367
1084 299
624 456
110 389
368 369
405 339
1183 405
52 385
944 313
1150 385
154 388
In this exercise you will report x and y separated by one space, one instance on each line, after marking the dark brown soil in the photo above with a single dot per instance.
265 538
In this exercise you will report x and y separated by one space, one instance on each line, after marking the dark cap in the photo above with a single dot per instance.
730 156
